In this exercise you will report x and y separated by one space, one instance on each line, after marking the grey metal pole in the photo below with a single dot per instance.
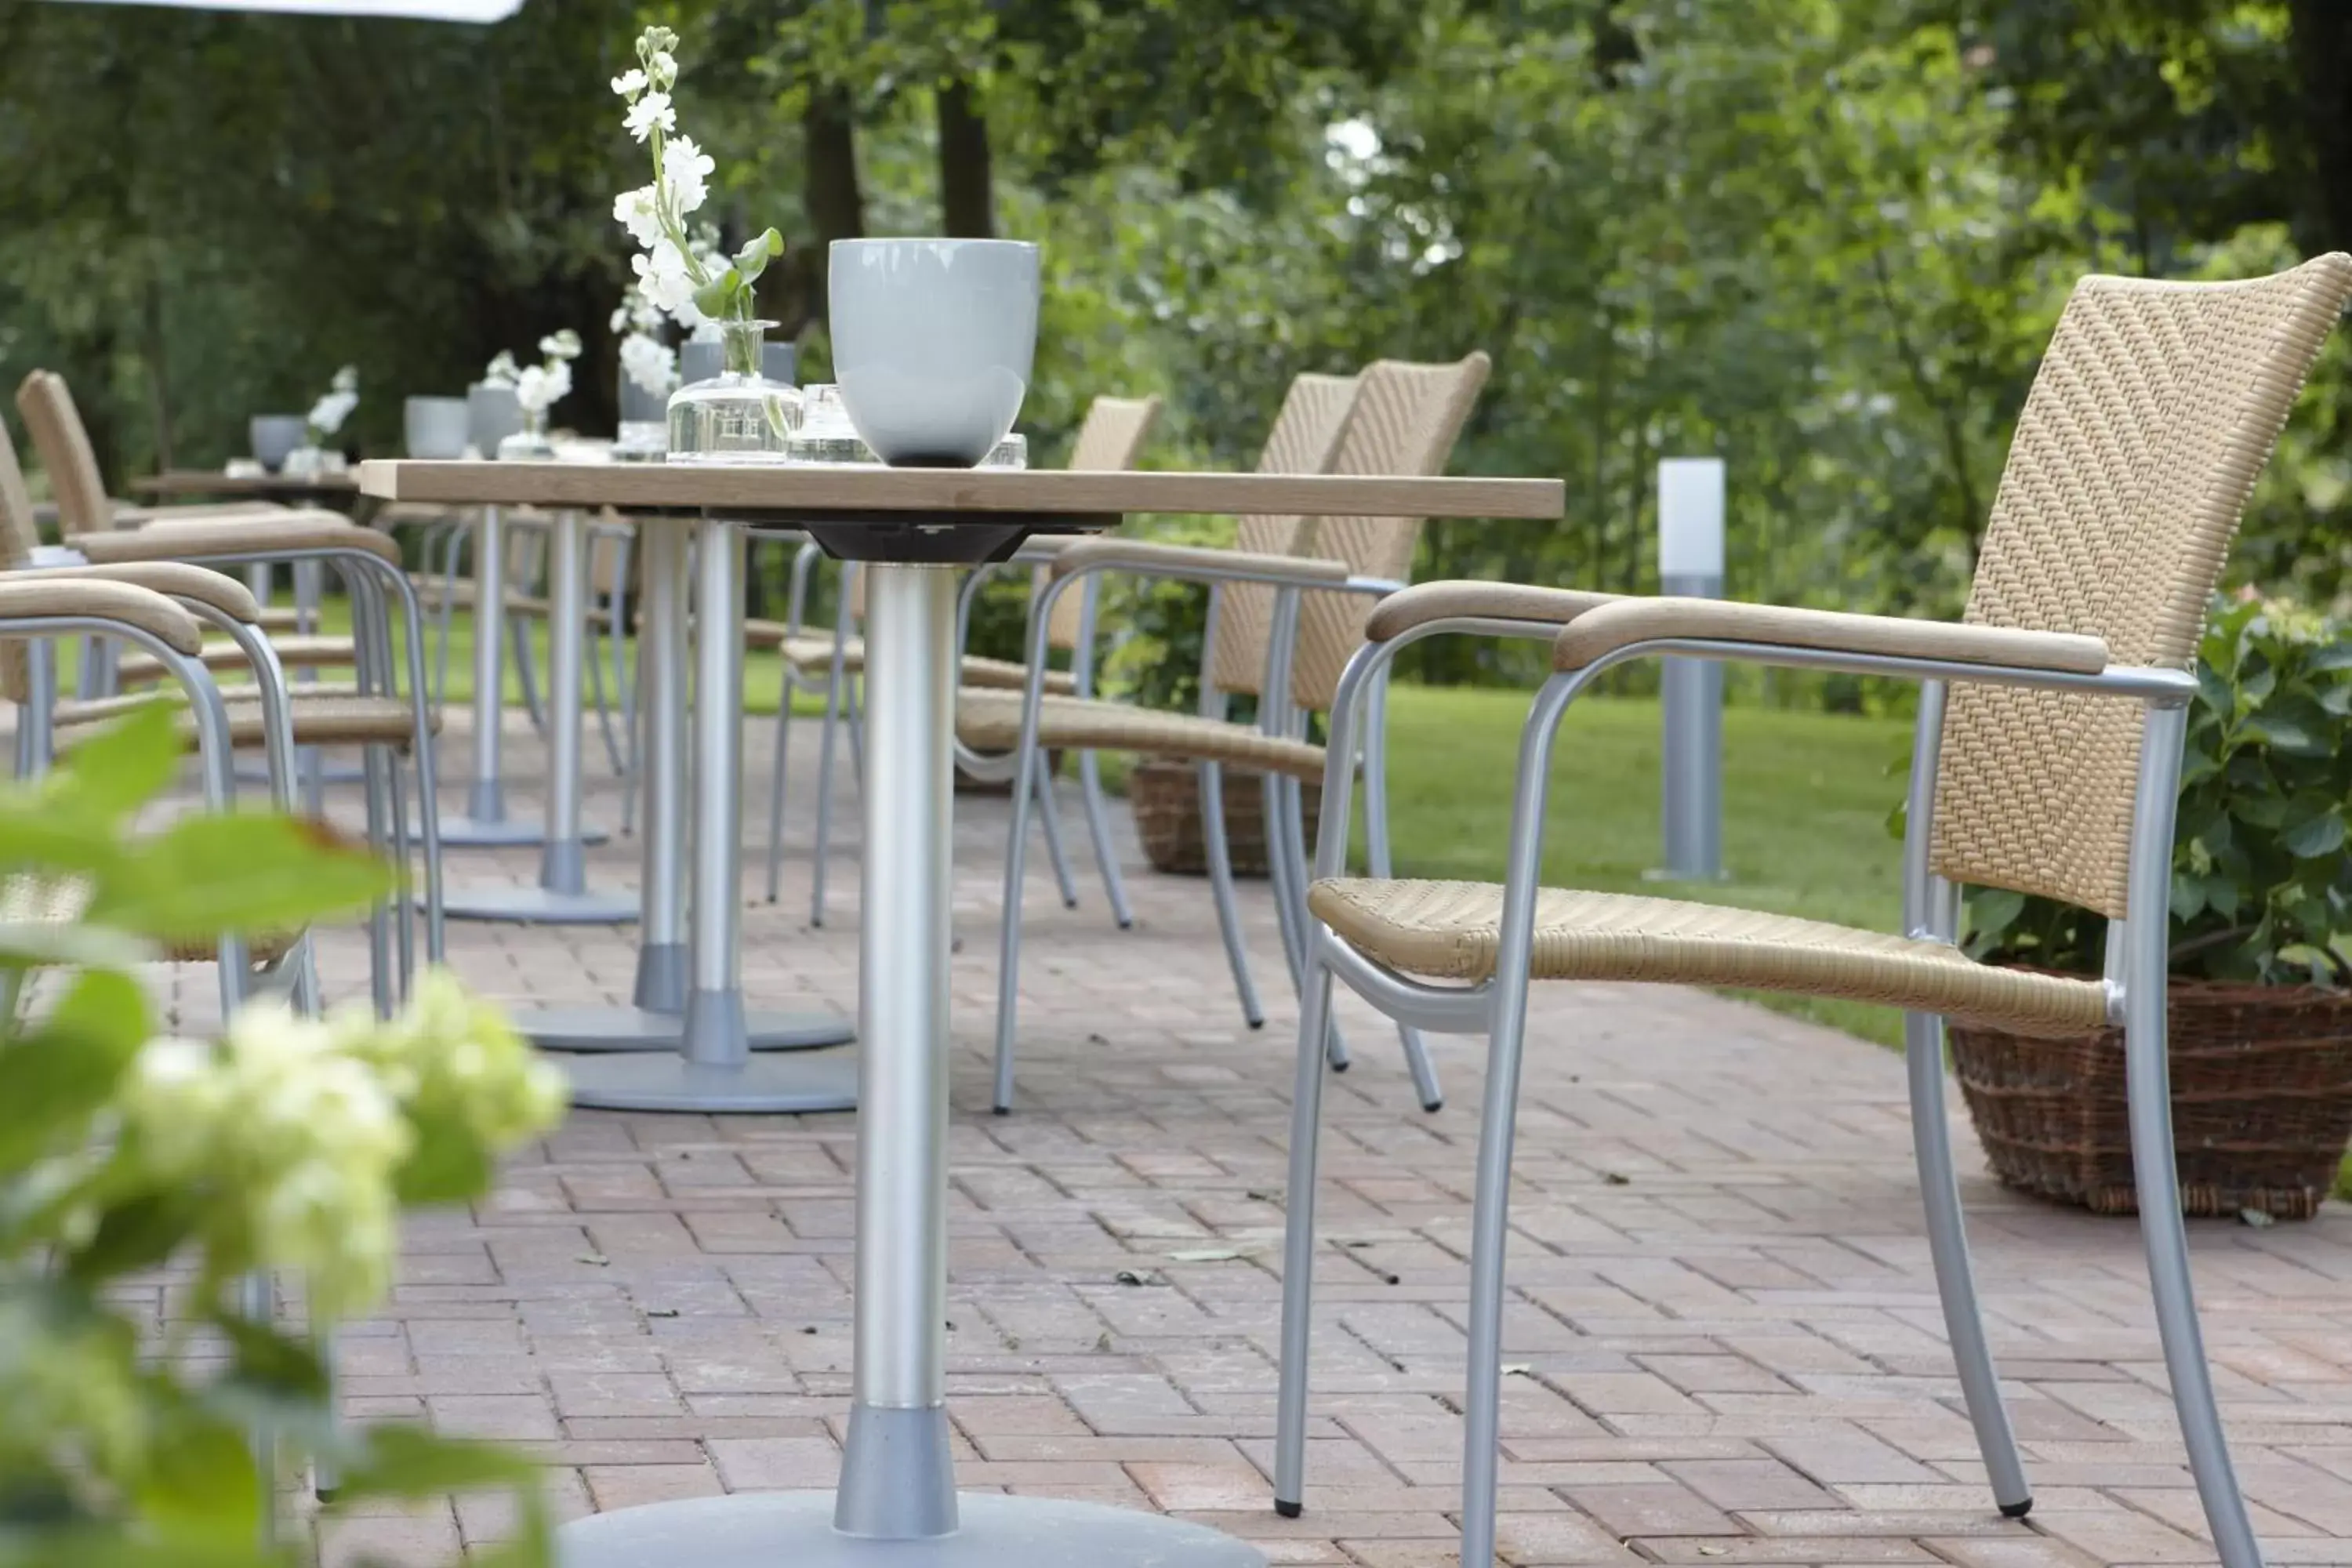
1690 565
714 1005
661 651
898 1478
485 802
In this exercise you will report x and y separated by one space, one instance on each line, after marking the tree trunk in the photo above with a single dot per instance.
830 191
2321 35
967 192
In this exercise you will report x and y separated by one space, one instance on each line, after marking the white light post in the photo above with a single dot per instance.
1690 564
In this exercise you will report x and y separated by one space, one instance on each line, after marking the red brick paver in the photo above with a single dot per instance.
1723 1332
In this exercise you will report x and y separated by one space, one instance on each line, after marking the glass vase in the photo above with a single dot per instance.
530 444
739 415
825 434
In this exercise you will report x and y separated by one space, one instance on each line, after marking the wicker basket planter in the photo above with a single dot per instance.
2262 1102
1166 799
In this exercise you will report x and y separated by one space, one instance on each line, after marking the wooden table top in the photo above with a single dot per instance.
214 482
781 489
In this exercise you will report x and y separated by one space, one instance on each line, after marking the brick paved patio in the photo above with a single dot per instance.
1724 1332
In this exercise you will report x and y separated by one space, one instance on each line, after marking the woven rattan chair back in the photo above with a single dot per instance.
1110 441
1304 440
1405 421
66 455
20 535
2154 412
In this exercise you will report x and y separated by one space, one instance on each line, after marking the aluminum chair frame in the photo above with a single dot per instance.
1278 715
2135 982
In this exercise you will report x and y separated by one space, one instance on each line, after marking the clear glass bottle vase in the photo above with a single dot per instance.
738 416
530 444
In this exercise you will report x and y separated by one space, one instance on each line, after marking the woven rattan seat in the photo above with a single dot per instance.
813 655
305 652
31 900
990 721
461 593
322 716
1448 930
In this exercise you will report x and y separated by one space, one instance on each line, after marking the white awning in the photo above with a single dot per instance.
421 10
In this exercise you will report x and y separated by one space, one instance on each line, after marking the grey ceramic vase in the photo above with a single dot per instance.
492 414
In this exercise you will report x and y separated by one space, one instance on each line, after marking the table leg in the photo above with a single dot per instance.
485 822
896 1506
562 897
710 1066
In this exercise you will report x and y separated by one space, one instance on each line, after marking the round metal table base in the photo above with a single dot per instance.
639 1030
763 1530
663 1080
537 906
507 833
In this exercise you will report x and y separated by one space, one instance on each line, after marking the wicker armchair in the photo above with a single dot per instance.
1111 439
2046 760
1285 644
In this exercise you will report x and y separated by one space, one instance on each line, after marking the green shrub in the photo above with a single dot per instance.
287 1147
2262 876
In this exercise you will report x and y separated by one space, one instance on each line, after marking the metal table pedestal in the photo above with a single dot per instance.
896 1506
562 896
686 1044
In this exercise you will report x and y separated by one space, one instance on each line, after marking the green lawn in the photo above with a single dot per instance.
1806 800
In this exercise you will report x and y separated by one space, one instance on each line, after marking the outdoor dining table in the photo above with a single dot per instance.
895 1506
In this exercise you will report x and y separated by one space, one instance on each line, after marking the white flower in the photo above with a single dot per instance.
650 364
347 379
501 371
663 275
640 211
651 110
685 168
564 344
665 69
541 386
630 82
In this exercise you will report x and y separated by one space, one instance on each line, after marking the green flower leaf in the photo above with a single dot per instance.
55 1078
249 873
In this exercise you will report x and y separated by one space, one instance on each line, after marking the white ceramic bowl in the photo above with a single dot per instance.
434 426
275 434
932 343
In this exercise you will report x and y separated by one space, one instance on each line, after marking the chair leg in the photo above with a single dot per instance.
1049 816
1008 942
383 985
1285 864
628 681
776 788
854 713
1489 1234
2149 1092
835 690
525 671
1298 1244
1376 845
595 659
1221 889
1948 1243
403 925
1098 827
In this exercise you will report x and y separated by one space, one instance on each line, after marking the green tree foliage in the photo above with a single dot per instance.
1824 238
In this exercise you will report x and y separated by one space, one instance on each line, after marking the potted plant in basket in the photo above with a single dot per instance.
2259 1013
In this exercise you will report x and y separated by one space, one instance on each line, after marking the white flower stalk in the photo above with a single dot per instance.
688 284
541 386
500 372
